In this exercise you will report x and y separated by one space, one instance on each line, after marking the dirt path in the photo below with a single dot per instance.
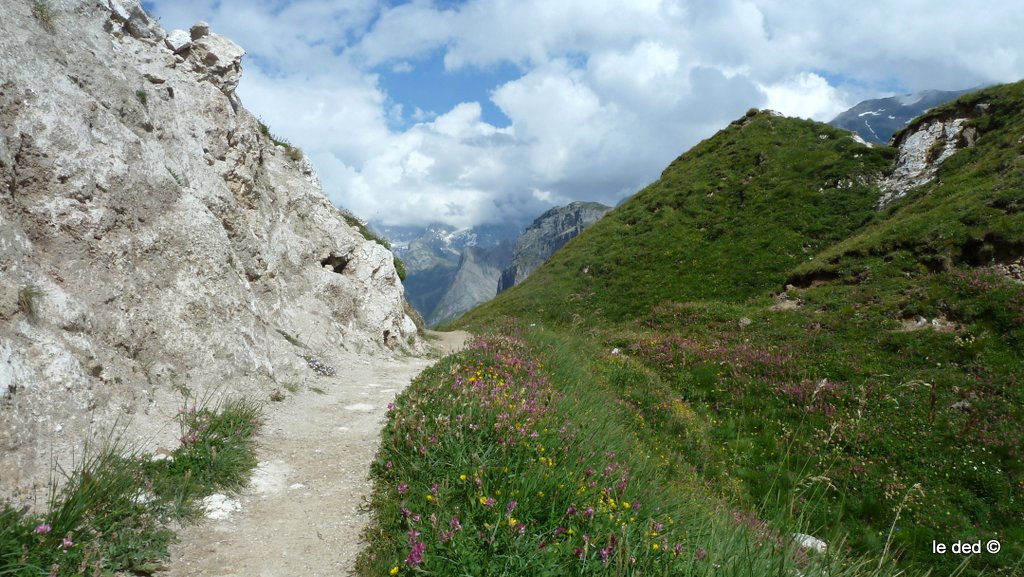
300 515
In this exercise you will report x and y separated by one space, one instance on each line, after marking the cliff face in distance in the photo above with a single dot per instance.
547 234
475 281
153 238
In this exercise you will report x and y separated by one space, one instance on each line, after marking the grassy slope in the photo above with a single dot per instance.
831 390
727 220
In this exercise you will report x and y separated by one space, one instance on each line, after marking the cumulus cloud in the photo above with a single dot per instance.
602 94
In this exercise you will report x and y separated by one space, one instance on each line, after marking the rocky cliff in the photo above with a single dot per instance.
475 281
547 234
433 255
152 236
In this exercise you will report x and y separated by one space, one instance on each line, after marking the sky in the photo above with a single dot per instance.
492 111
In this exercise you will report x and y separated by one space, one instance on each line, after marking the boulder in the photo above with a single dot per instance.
178 41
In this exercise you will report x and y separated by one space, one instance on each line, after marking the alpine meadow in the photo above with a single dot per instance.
778 359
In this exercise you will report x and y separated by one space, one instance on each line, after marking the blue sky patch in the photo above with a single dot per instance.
425 84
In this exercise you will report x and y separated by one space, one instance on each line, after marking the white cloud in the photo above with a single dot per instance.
607 93
806 95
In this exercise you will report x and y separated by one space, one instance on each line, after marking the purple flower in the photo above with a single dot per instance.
403 488
43 529
67 543
510 507
416 554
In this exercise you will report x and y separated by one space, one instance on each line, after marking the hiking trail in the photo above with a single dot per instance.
300 514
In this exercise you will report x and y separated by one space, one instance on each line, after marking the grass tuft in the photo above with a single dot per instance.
111 511
27 298
43 12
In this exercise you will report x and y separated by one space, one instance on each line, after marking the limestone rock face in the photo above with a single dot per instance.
921 151
548 233
475 281
152 239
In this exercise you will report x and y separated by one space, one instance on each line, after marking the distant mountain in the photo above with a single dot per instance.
547 234
433 255
474 281
877 120
449 270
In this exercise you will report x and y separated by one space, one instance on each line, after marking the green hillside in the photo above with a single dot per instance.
779 346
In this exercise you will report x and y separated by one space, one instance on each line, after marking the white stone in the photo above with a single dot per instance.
219 506
810 542
360 407
178 41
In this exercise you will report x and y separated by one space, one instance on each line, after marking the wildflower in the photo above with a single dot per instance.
67 543
701 553
43 529
510 507
430 498
512 521
394 571
402 488
416 553
655 547
462 477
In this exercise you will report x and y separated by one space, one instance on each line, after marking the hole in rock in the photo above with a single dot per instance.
335 262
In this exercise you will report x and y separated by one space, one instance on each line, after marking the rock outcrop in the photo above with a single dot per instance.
153 239
548 233
921 150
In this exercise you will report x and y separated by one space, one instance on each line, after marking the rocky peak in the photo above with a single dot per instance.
548 233
154 239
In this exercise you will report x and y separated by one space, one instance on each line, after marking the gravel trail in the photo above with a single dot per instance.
300 514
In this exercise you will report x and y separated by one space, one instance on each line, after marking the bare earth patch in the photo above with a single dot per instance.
301 512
